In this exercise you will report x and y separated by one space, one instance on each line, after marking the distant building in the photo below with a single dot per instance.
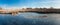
51 7
28 8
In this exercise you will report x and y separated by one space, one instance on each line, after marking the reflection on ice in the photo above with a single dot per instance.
30 19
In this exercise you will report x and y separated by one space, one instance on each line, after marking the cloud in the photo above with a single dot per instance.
29 3
48 3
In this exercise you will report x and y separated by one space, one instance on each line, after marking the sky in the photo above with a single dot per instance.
29 3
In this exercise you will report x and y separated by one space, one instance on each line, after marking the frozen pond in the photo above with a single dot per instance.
30 19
